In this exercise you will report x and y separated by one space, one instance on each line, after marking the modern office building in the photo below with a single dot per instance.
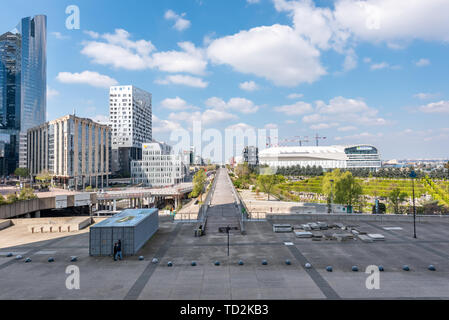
159 167
23 88
251 156
331 157
75 151
130 116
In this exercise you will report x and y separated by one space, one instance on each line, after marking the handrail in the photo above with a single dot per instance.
239 203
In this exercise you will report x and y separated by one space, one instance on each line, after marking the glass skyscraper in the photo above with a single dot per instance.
23 88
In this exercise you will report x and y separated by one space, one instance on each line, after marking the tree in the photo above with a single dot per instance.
27 194
242 170
344 188
199 181
22 172
267 181
396 197
44 177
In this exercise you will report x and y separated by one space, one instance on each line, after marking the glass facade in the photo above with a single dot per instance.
23 88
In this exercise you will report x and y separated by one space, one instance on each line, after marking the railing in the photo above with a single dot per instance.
240 205
202 214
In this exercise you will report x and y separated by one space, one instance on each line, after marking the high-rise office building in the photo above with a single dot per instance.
159 166
23 88
251 156
73 150
130 113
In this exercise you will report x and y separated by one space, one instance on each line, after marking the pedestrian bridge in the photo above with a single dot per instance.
141 196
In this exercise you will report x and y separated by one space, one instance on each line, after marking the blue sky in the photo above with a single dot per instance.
372 72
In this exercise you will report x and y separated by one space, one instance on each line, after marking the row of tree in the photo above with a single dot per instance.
394 173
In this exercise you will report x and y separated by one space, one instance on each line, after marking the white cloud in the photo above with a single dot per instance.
164 126
271 126
378 66
321 126
386 20
175 104
295 96
299 108
180 23
344 110
252 1
92 34
425 96
422 62
361 137
190 60
290 121
51 93
183 80
118 51
59 36
436 107
238 104
207 117
240 126
347 128
87 77
274 52
249 86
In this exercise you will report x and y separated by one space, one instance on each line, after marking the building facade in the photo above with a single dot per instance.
251 156
331 157
23 88
75 151
130 114
159 167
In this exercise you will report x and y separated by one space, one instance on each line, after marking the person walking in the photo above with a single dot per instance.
115 251
119 249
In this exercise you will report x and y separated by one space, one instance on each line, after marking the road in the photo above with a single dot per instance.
223 210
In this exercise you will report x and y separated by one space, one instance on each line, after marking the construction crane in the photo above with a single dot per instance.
317 138
305 139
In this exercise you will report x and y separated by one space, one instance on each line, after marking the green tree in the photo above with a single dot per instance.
396 197
344 188
242 170
44 178
22 172
27 194
199 180
267 181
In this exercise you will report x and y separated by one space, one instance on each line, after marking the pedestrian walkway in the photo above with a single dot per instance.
223 210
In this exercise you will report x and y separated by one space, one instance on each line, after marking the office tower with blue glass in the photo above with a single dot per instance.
23 88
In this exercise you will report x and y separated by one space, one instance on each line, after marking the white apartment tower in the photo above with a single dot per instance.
130 113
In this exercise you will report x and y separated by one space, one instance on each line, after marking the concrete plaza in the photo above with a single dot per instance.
102 278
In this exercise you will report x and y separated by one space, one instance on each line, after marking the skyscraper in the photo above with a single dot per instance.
130 114
23 88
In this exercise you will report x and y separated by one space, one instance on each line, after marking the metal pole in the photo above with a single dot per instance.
414 209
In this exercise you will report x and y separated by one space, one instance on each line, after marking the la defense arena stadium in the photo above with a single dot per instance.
328 157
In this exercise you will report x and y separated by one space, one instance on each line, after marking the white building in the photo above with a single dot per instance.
130 113
329 157
159 167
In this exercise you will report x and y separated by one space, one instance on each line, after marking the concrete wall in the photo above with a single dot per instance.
357 217
20 208
5 224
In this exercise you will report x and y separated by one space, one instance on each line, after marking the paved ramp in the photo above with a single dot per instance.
223 210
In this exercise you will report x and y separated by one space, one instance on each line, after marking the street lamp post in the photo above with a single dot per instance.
228 228
413 176
332 196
